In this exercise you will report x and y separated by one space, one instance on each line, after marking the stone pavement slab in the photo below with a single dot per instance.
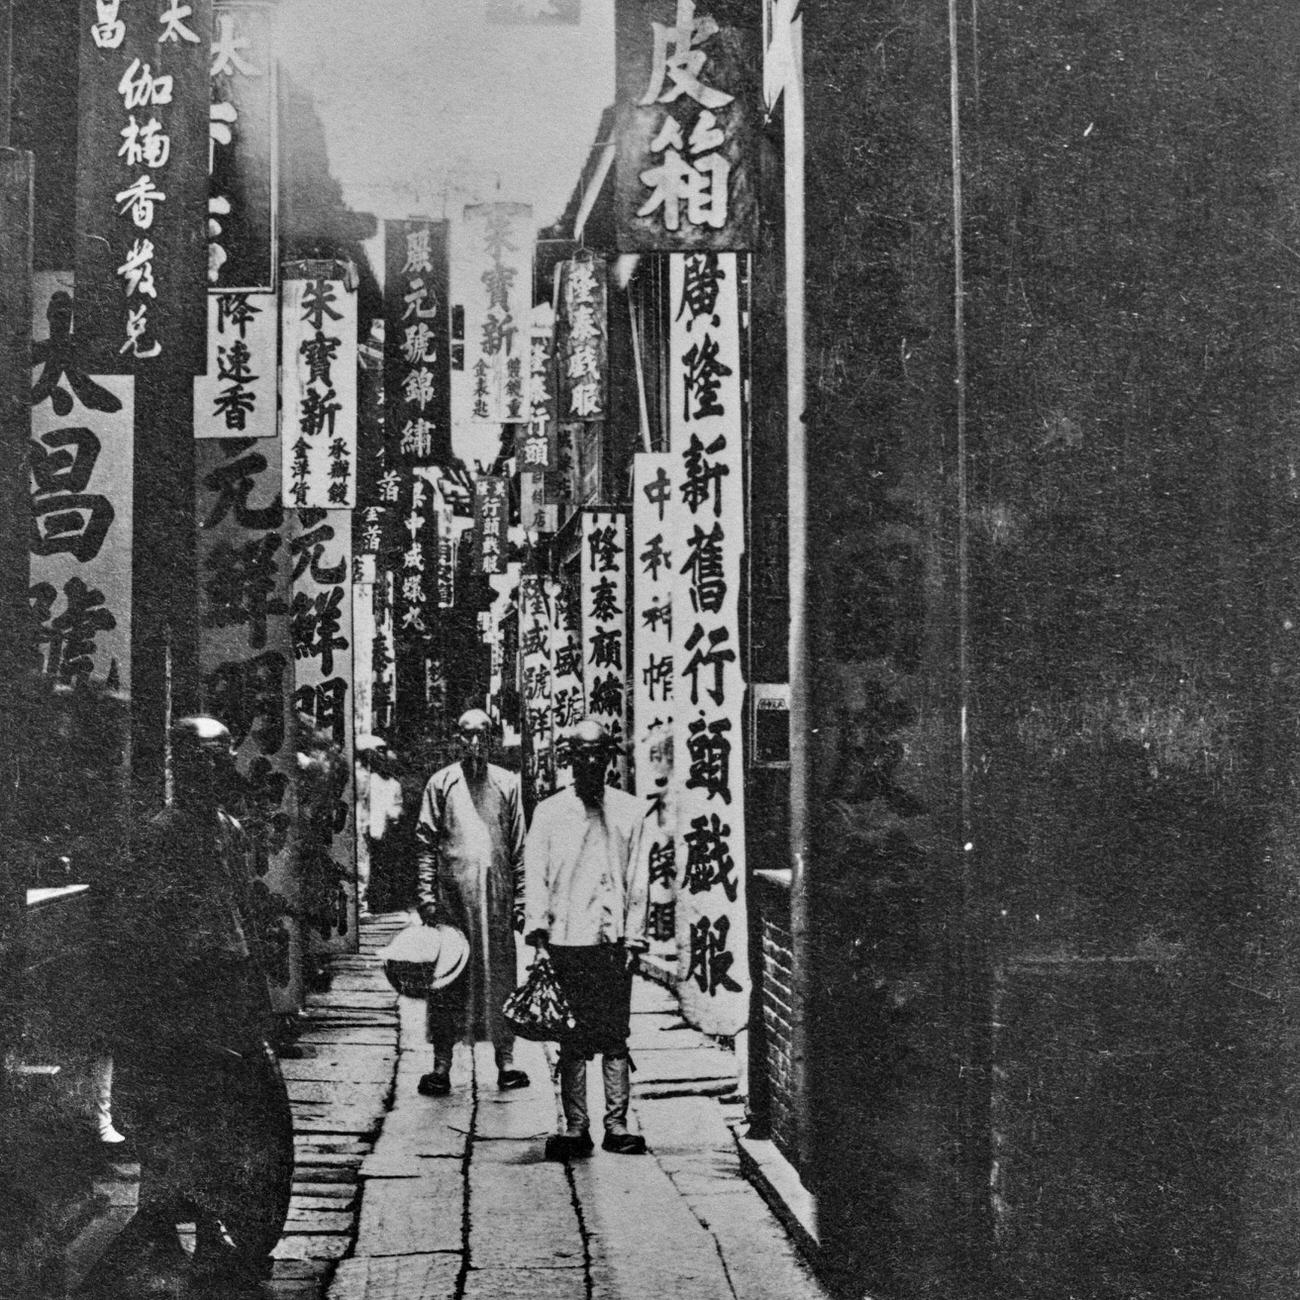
526 1284
407 1277
401 1216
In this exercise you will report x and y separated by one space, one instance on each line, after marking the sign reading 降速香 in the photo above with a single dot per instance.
417 357
581 339
320 547
246 673
82 443
688 88
706 543
535 688
242 145
318 397
236 398
494 256
603 610
142 184
652 681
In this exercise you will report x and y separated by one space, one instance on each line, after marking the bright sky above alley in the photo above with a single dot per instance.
427 105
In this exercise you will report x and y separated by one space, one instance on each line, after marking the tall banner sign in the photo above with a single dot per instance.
604 629
562 482
687 127
541 366
491 521
318 400
445 566
706 542
383 665
652 684
568 696
142 183
82 443
497 279
582 339
242 149
535 689
246 668
417 357
415 619
321 625
236 398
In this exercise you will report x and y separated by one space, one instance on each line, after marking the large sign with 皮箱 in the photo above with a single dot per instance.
237 396
706 541
82 492
417 358
687 118
246 676
318 394
142 184
242 149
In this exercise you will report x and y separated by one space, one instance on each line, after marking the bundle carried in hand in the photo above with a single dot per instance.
538 1009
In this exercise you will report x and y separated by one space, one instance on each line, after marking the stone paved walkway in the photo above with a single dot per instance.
403 1197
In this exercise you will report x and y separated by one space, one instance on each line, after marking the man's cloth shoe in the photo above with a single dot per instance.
624 1144
434 1084
564 1146
507 1080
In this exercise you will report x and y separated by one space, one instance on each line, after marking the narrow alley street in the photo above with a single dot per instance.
401 1196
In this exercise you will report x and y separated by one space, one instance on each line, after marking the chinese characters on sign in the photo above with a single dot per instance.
321 627
241 148
705 544
497 269
142 182
582 349
81 484
491 520
417 359
652 680
568 699
318 400
604 629
535 689
246 666
236 398
687 99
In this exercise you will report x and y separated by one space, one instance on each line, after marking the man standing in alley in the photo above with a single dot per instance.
585 908
470 843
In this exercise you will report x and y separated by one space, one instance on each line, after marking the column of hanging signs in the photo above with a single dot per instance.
706 542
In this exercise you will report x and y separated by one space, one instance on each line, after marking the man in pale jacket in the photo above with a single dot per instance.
585 890
470 843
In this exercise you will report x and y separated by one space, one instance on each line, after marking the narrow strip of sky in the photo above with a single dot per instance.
426 105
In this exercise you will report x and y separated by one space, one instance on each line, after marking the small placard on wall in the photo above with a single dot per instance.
771 746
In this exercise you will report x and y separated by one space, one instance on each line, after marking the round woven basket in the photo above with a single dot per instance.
424 958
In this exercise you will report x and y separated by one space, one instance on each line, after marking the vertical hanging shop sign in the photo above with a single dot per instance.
246 671
417 357
383 665
445 549
535 688
414 596
321 626
604 628
562 481
568 698
687 112
581 339
242 148
82 441
652 683
318 401
498 267
142 183
706 543
374 528
236 397
491 511
541 366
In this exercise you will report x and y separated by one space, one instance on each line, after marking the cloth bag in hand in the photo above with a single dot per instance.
538 1009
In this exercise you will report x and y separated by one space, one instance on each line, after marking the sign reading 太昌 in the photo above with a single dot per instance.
706 542
82 444
142 183
241 149
687 112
